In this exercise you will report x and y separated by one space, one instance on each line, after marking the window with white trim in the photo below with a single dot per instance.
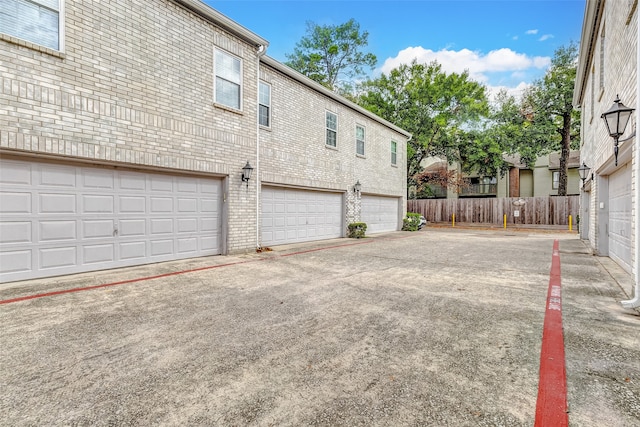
228 75
360 140
394 153
264 107
556 180
35 21
331 124
602 50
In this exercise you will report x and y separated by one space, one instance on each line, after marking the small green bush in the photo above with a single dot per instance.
356 230
411 222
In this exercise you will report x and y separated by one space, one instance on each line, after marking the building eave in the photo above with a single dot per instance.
588 39
208 13
301 78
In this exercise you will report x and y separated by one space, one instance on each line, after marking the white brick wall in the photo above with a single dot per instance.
134 87
620 78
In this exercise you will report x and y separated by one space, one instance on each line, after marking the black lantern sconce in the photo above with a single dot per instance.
246 173
357 187
616 119
584 172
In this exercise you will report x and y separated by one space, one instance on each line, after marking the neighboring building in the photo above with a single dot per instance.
542 179
520 181
607 69
124 127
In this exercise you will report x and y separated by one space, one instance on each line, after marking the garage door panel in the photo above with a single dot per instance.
15 232
57 230
57 176
99 228
61 219
16 173
55 203
101 253
16 261
56 257
132 227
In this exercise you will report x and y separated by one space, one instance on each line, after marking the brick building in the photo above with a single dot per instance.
124 128
607 69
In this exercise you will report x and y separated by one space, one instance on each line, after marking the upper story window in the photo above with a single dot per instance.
264 108
394 153
360 140
35 21
228 74
556 180
331 125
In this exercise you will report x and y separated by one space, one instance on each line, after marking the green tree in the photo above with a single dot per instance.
332 55
550 121
443 111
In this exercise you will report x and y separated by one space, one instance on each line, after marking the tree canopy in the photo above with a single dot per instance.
333 55
443 112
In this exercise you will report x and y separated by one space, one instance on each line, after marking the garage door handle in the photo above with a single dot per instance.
115 231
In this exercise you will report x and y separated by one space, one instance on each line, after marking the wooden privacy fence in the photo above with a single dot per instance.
553 210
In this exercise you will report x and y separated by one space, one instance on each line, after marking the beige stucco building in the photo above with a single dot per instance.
124 128
607 69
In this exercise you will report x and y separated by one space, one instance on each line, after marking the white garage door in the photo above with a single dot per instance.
292 215
380 213
620 217
59 219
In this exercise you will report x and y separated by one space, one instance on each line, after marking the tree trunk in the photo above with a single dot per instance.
564 154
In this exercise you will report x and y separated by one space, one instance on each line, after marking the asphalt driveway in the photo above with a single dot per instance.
441 327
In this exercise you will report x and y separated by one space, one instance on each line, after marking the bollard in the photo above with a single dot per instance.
453 220
570 225
504 220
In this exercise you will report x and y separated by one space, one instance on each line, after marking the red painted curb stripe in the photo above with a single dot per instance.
173 273
551 407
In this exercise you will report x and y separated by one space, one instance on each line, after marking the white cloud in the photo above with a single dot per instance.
531 32
516 91
545 37
476 63
498 69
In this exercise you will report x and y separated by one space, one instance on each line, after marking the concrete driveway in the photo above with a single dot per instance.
441 327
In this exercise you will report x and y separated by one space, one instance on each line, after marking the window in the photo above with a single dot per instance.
360 140
228 72
36 21
264 107
394 153
332 129
556 180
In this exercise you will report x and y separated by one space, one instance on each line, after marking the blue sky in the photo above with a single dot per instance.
503 43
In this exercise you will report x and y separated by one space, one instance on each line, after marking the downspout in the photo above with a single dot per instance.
635 302
262 50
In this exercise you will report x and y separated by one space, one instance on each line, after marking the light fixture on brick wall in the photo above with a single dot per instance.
357 187
584 172
616 119
246 173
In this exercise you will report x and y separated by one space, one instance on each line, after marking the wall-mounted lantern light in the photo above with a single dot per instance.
246 173
616 119
357 187
584 172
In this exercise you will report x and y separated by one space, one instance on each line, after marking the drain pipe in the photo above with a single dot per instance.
635 302
261 51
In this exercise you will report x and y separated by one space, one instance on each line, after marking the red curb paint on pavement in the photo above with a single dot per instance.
551 407
173 273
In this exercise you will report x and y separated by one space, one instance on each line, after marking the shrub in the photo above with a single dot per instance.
411 222
356 230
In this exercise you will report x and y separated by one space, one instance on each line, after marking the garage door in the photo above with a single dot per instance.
292 215
59 219
380 213
620 217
